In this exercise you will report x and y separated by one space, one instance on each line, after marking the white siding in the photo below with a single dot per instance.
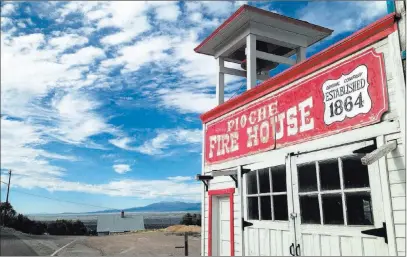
222 183
397 179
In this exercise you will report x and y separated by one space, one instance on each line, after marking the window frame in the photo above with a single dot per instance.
271 194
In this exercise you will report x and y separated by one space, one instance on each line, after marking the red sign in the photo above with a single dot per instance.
350 95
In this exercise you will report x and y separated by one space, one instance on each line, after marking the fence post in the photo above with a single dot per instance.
186 243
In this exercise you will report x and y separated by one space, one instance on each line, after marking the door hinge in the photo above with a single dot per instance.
246 224
379 232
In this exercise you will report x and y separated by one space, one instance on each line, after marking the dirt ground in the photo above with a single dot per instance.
156 243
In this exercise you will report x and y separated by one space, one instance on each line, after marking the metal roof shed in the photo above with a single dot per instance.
115 223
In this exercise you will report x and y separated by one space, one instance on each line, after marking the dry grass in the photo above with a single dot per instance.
183 229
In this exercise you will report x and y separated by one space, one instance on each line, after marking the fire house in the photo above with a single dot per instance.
310 161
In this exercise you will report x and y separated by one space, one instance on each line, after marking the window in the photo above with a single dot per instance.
335 192
267 194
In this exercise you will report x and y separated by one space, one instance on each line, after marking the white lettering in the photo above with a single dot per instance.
252 139
307 123
262 114
280 132
264 132
225 142
231 123
292 123
234 146
212 142
272 109
243 121
252 118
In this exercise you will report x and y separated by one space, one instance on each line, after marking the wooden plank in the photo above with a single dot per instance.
398 203
251 61
274 58
398 73
386 196
400 230
220 83
274 249
379 153
396 164
264 242
286 242
399 217
397 176
401 253
398 189
279 243
401 244
369 247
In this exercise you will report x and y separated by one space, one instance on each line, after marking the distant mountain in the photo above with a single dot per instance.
161 207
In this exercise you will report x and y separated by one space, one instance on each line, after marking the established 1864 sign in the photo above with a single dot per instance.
352 94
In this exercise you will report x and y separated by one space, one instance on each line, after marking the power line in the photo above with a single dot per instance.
59 200
237 91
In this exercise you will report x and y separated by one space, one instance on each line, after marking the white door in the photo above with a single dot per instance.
268 197
223 225
335 199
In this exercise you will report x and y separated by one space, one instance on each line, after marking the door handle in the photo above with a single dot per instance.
297 248
380 232
292 249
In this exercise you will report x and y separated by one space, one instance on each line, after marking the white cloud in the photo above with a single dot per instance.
123 143
180 178
67 40
128 34
168 12
121 168
165 140
83 56
77 118
348 16
8 9
142 52
20 142
145 189
187 101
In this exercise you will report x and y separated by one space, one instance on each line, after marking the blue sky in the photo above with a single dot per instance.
101 100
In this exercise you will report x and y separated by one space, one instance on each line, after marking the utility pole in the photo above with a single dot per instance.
8 185
8 192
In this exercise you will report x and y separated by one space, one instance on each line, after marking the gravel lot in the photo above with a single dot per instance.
143 244
147 243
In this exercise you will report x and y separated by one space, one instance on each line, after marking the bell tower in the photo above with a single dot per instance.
259 41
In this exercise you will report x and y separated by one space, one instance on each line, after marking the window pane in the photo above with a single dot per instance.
252 182
329 174
280 207
264 181
332 209
253 210
307 176
355 174
265 205
359 208
310 210
279 179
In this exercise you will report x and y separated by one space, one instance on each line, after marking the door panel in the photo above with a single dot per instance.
224 226
335 200
268 197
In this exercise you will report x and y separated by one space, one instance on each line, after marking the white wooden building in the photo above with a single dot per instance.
310 161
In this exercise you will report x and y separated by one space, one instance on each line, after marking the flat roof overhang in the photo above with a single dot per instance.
248 19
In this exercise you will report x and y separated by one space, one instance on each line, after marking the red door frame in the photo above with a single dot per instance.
218 192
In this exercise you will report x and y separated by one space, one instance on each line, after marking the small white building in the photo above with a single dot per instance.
115 223
310 161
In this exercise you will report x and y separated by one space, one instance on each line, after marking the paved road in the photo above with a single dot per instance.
11 245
